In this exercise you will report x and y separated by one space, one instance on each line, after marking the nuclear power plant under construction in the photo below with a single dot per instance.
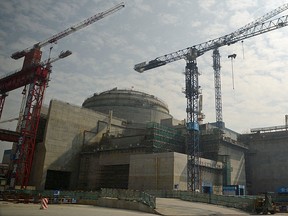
128 139
99 146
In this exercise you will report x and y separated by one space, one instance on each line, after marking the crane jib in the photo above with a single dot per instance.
257 29
78 26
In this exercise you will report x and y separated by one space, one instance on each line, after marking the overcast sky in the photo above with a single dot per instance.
105 53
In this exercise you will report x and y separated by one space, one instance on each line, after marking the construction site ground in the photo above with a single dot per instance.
171 207
165 206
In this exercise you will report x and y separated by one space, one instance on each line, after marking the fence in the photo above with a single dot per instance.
147 198
130 195
245 203
35 195
76 196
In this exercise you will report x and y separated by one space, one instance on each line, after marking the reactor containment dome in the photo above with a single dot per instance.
133 106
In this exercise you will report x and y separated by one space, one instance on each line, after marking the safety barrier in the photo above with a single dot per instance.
34 196
245 203
130 195
18 197
148 198
44 203
282 207
71 197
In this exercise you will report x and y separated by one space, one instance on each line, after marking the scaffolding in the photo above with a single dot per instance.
210 145
151 138
161 138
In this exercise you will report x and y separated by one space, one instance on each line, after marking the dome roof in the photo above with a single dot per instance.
128 104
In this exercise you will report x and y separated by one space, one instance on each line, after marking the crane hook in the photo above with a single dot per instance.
232 56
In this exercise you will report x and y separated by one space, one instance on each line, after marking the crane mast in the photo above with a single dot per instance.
24 149
35 74
216 60
192 89
217 85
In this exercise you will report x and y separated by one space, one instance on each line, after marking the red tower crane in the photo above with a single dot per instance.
192 88
35 74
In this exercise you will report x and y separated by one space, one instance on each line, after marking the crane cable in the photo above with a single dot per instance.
242 42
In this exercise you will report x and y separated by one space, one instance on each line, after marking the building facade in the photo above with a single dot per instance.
266 161
133 143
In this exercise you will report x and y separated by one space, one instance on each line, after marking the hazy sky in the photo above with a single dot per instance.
105 53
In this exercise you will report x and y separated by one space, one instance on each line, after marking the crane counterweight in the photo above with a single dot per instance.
65 54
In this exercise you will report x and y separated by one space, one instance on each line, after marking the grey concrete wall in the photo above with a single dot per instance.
114 158
267 161
237 160
38 164
163 171
92 167
210 173
64 137
170 122
152 171
135 114
89 172
180 171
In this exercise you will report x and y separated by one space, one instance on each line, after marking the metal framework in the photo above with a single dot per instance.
26 144
250 30
2 101
10 136
36 75
202 48
193 133
217 84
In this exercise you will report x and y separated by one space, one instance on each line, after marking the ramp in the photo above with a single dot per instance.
169 207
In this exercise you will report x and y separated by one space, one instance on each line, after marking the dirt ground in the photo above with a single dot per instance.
21 209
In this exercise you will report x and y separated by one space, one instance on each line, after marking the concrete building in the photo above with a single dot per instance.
223 145
168 171
266 160
128 139
134 161
56 160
